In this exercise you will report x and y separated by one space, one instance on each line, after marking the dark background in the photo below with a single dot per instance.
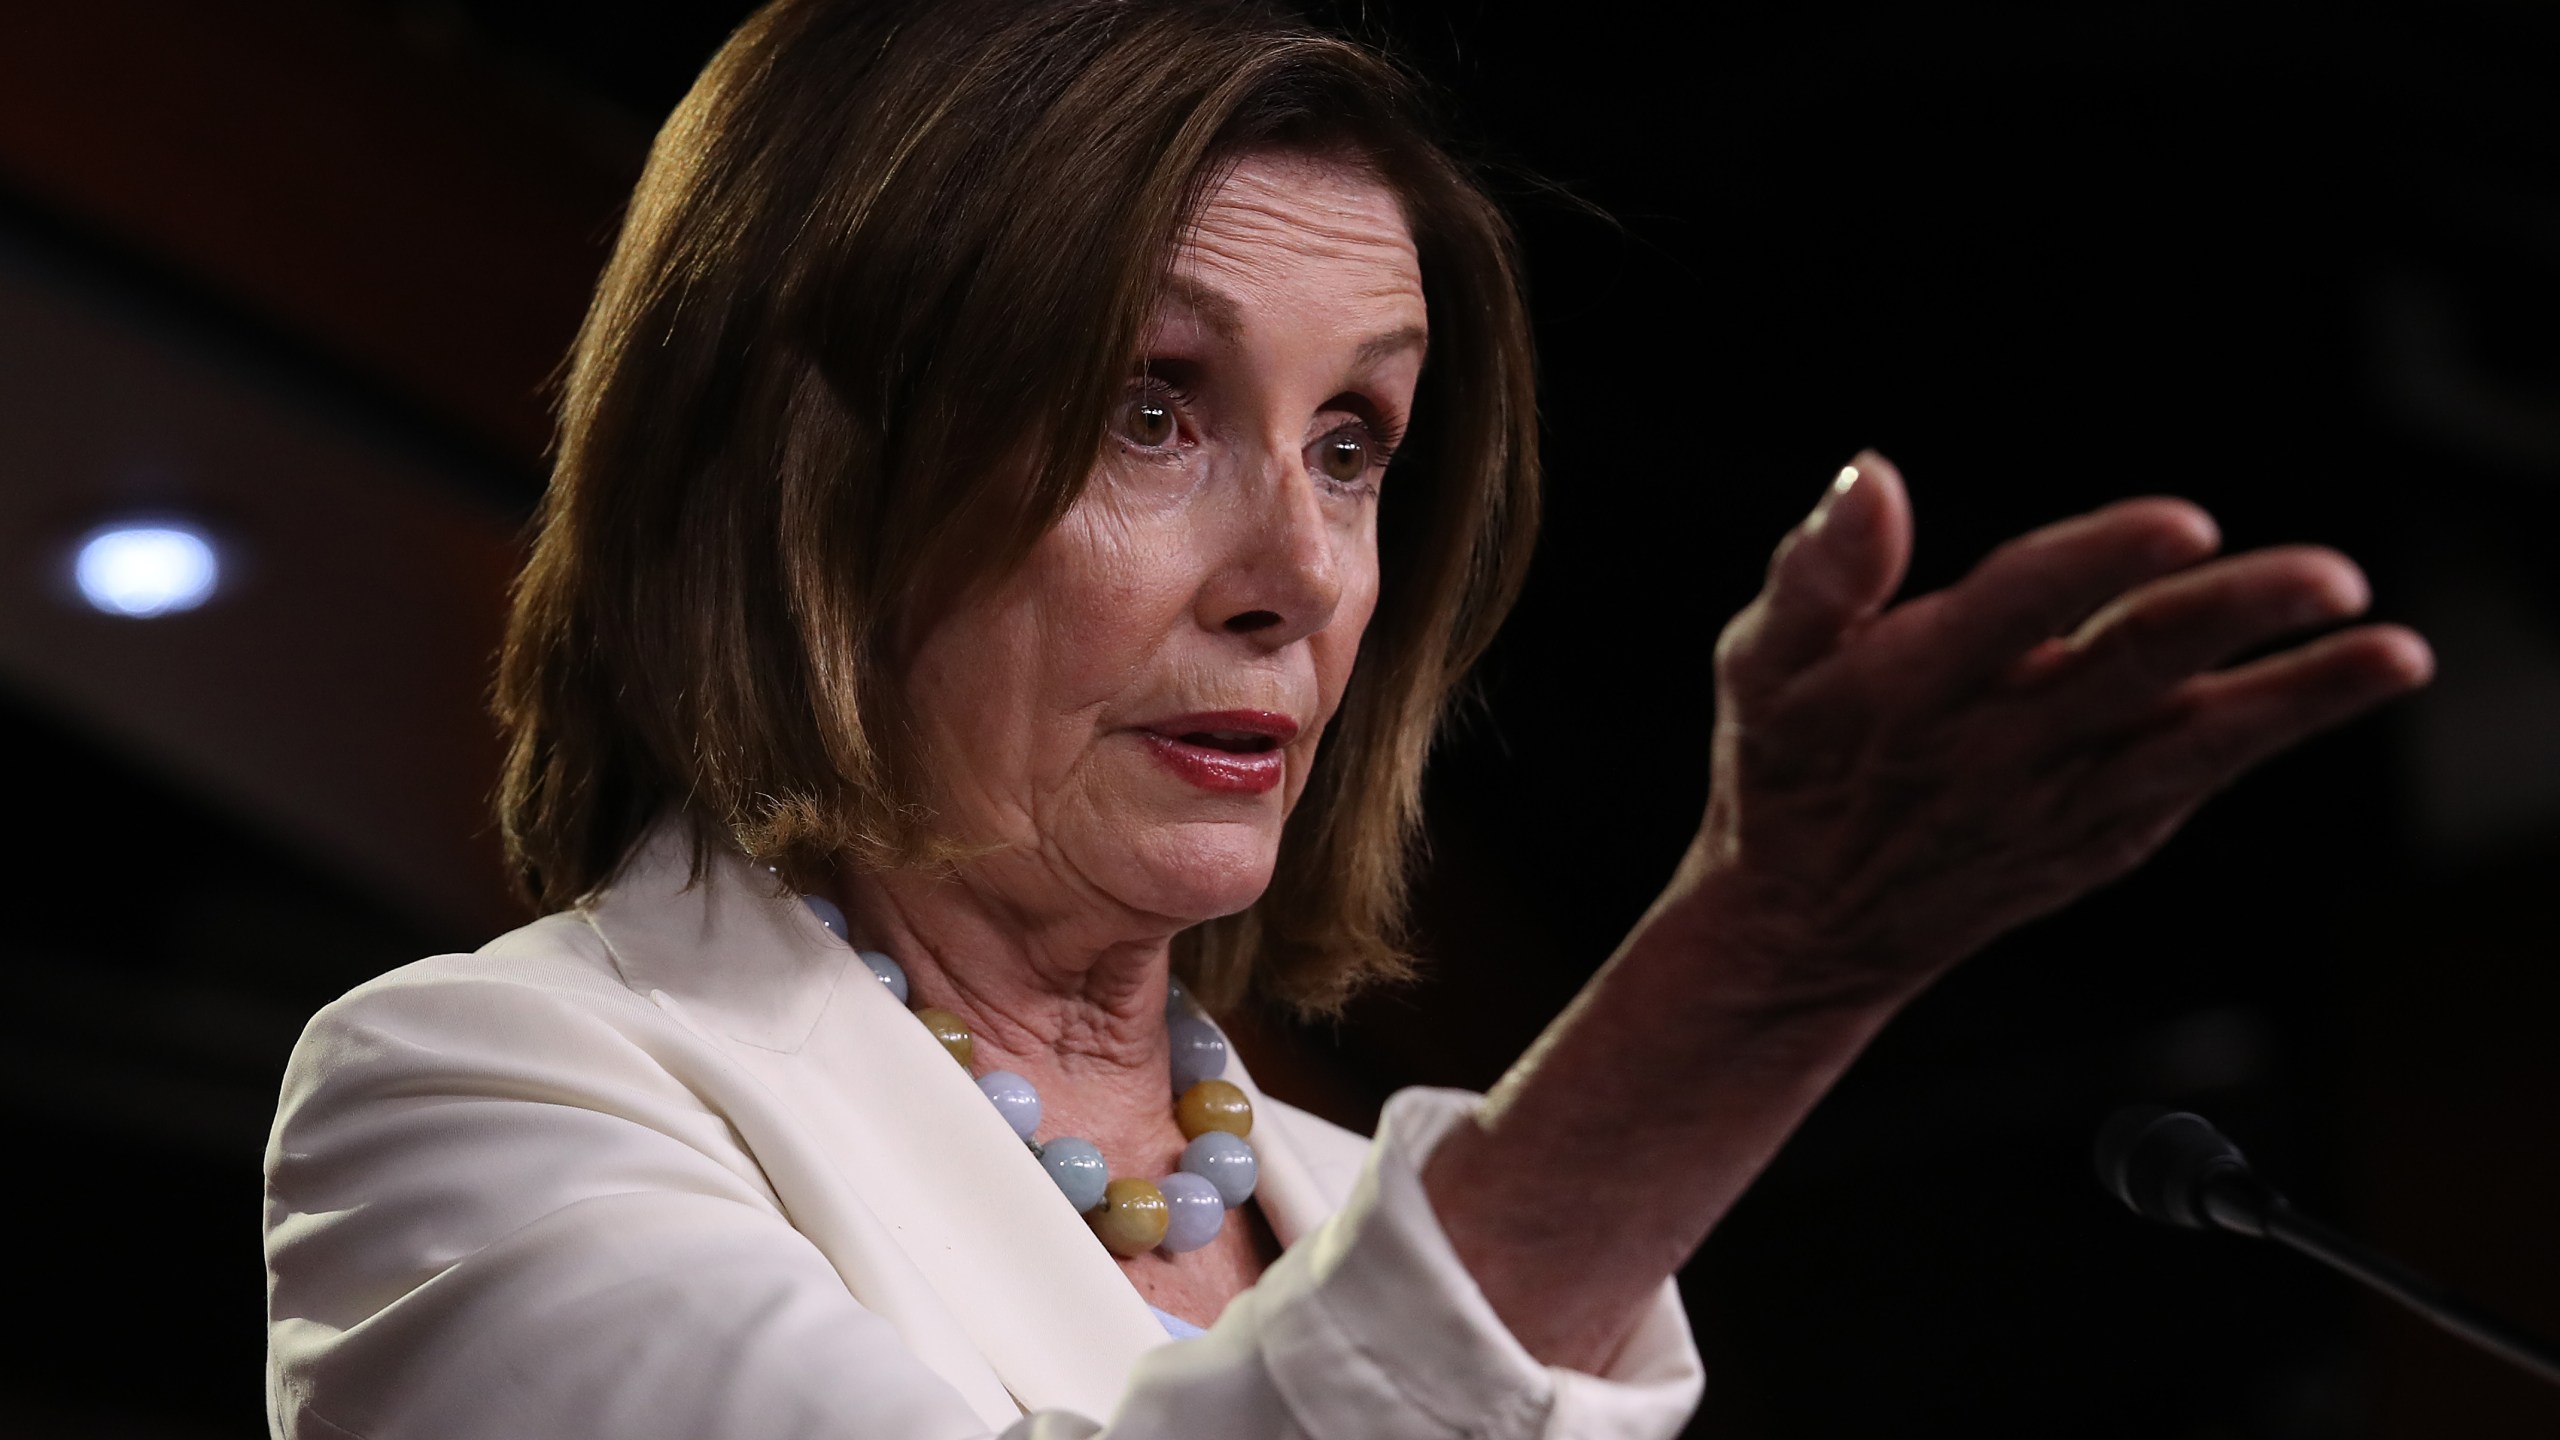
300 268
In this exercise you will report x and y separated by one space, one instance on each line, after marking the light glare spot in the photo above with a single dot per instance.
143 570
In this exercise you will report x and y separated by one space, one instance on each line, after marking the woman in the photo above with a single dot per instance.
973 509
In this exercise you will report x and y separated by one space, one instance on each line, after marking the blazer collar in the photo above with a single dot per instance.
732 945
973 1211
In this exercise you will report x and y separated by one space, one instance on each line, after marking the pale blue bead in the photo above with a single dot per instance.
1078 1169
1014 1099
1199 1051
1177 1001
1225 1161
827 913
1197 1211
891 973
1177 1327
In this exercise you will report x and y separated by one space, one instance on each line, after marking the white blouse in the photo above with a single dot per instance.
673 1167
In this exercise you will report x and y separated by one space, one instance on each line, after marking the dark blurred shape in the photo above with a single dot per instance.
2217 1049
161 957
431 222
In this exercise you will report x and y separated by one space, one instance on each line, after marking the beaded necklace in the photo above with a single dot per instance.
1130 1215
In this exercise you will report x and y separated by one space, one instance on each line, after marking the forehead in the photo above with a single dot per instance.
1280 231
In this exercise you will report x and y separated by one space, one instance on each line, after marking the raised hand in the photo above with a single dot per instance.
1893 786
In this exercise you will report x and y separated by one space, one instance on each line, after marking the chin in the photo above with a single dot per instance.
1200 871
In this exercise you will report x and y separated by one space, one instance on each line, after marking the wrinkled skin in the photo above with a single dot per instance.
1905 783
1893 785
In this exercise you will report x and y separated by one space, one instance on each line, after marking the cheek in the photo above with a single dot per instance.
971 682
1334 651
1337 646
1106 593
1009 685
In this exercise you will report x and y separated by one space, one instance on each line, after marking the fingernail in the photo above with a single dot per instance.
1841 484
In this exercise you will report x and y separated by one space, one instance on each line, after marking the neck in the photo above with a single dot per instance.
1073 1002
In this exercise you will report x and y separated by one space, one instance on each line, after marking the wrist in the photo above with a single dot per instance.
1778 947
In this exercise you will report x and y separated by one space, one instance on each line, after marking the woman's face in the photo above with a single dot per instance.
1131 715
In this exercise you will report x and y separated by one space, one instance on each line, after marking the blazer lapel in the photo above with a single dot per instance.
1285 1187
901 1127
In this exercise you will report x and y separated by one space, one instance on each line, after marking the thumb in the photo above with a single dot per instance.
1831 574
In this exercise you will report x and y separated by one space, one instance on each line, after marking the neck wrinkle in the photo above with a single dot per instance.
1085 1007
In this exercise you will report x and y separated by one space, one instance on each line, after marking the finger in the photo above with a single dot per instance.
2231 720
1832 572
2153 638
2045 583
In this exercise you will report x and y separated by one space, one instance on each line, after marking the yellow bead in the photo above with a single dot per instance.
952 1031
1132 1217
1213 1105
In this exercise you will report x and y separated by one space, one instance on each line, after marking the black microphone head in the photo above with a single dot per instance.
2162 1163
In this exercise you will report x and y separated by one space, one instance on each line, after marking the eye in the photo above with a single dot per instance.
1151 417
1350 456
1344 456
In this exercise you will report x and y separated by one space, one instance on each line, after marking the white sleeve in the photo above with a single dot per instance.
1370 1327
498 1215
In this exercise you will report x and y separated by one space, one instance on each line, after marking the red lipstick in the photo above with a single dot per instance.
1234 752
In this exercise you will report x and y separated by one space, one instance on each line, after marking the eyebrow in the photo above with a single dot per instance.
1223 316
1218 312
1402 338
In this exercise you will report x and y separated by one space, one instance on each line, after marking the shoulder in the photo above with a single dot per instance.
560 953
463 1092
548 974
539 1013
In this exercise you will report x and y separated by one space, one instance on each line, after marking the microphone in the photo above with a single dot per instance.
2174 1167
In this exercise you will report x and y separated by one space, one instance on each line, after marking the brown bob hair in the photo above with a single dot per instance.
879 290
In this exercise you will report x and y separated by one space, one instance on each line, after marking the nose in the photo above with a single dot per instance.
1281 579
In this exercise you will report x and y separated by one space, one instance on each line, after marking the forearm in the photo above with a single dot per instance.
1926 775
1629 1129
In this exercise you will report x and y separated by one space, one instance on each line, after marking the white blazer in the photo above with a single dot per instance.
673 1167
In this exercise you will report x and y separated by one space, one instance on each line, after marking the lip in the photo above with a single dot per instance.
1184 744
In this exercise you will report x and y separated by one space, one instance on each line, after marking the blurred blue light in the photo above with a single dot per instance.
145 569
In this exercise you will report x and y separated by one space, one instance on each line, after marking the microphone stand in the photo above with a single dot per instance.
2176 1168
2270 1216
